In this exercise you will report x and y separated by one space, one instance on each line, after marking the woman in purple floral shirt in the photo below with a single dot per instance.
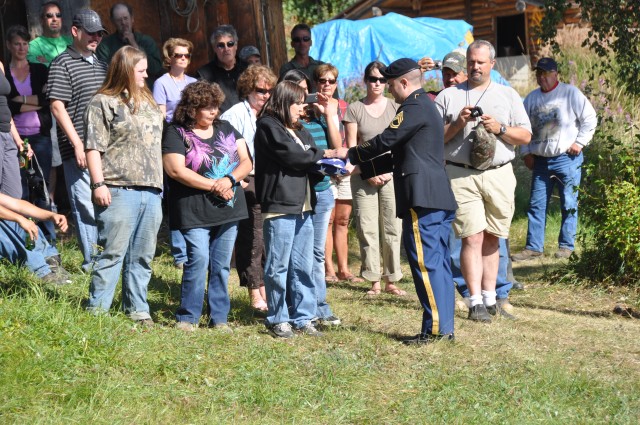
205 159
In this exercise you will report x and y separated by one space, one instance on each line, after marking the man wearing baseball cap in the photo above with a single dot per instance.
563 122
424 200
250 55
74 77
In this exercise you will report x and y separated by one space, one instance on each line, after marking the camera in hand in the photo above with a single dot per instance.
311 98
437 64
476 112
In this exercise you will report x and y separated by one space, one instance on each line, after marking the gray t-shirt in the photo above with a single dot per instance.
500 102
368 125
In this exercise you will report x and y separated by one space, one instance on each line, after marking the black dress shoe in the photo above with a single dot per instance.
426 339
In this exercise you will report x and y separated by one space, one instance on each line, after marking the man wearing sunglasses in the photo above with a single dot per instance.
52 42
301 43
74 77
224 69
122 19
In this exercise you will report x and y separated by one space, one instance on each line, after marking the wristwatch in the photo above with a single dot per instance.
94 186
503 129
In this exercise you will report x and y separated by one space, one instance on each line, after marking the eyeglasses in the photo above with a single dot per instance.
262 91
51 15
325 81
306 39
374 80
182 55
229 44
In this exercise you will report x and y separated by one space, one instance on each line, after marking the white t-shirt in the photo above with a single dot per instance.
500 102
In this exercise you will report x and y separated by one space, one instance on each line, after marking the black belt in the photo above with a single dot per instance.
469 167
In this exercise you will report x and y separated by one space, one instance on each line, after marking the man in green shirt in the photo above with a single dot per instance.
122 18
52 42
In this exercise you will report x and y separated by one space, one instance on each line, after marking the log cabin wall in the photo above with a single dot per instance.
258 22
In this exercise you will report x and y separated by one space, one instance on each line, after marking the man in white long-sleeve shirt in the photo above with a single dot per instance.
563 122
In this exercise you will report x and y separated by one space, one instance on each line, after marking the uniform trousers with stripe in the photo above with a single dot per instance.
426 241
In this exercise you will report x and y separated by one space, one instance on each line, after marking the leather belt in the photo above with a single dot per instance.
469 167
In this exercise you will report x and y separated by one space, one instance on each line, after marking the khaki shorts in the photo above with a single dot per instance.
485 200
342 190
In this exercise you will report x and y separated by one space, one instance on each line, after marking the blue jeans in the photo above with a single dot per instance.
288 269
320 221
12 247
565 171
178 247
77 181
208 249
127 236
503 285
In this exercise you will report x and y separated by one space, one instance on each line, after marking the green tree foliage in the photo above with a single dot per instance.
313 12
615 27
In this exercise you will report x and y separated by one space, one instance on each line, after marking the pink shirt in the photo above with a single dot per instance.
27 123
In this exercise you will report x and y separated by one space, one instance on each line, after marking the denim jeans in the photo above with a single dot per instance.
288 269
503 285
178 247
12 247
127 236
565 171
77 181
320 222
208 249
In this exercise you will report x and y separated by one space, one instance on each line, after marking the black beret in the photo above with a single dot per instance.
399 68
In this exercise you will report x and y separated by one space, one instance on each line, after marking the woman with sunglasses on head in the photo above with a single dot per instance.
167 91
168 88
123 136
285 153
319 119
205 159
374 199
326 79
254 88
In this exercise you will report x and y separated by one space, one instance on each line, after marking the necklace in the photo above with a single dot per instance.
481 96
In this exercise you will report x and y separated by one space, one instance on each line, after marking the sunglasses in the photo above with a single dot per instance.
325 81
262 91
182 55
229 44
374 80
306 39
51 15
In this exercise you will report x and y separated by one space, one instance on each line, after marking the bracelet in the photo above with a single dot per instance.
232 179
94 186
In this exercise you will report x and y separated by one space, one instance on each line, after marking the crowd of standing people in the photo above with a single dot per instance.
273 168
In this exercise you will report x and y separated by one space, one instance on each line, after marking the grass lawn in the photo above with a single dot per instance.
567 359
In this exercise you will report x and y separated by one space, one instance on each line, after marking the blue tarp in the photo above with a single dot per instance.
351 45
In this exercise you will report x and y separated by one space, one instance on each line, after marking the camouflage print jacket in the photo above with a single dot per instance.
130 143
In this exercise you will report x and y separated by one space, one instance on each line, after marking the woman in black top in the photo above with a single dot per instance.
285 154
10 144
205 160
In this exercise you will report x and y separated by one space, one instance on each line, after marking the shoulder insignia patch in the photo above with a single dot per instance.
397 120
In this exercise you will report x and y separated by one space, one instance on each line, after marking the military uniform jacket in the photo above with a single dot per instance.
415 138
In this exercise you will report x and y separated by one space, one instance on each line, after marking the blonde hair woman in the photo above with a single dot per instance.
123 136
